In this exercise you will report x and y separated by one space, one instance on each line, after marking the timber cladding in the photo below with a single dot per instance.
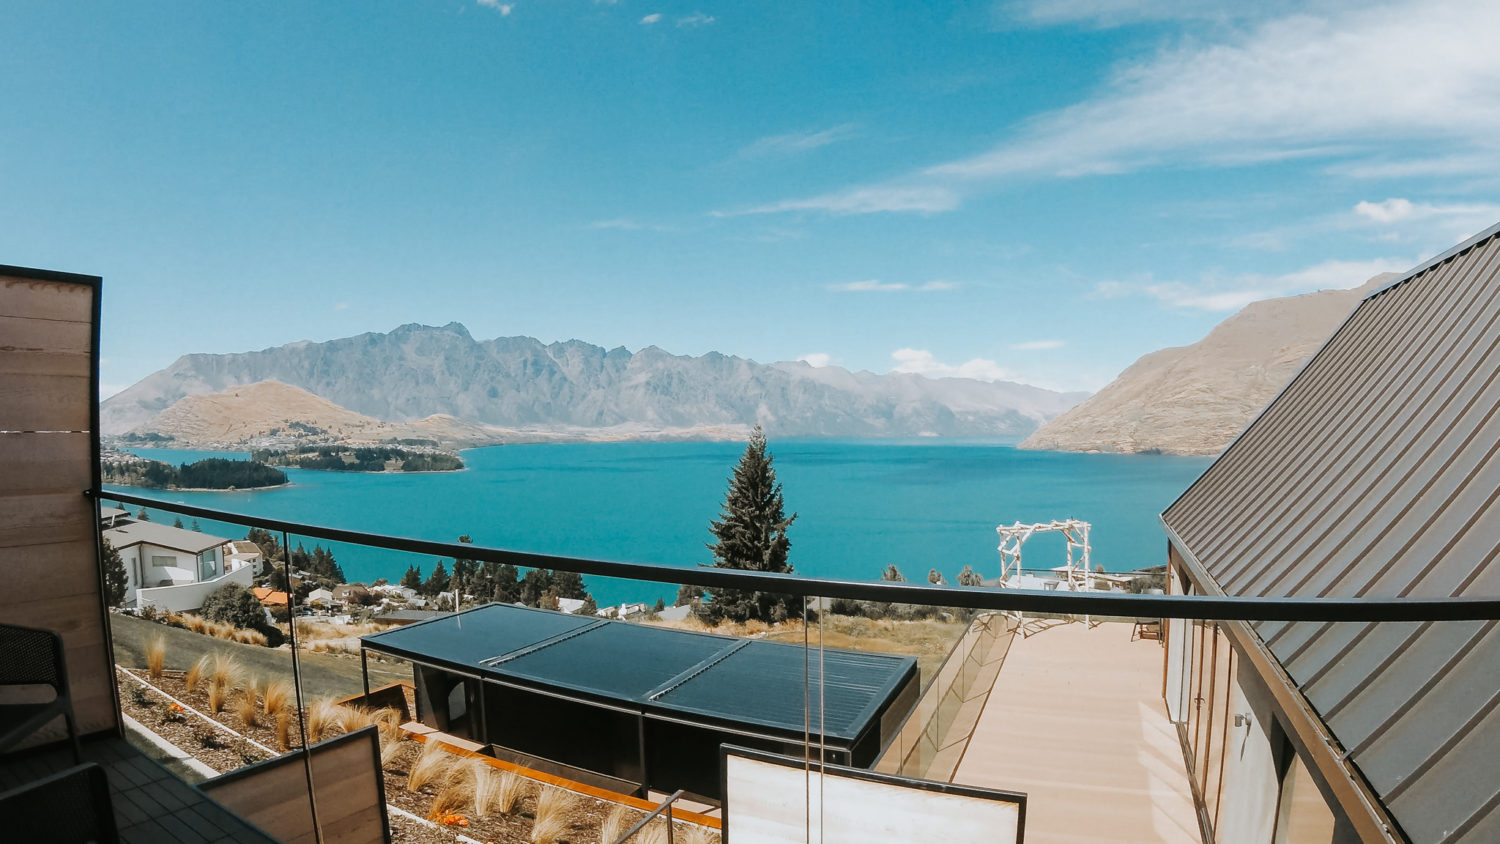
49 447
347 785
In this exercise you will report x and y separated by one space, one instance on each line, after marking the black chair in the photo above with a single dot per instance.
71 806
32 657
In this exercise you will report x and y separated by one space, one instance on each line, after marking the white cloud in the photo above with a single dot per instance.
796 142
341 306
876 285
1397 210
1215 293
503 8
651 18
1344 85
867 200
1388 211
1037 345
817 359
922 362
1111 13
1289 84
696 19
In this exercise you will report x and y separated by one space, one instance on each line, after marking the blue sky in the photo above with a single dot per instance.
1040 191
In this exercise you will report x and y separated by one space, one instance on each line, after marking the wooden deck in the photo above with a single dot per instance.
151 805
1077 722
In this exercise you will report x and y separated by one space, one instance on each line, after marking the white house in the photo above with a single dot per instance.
173 568
238 552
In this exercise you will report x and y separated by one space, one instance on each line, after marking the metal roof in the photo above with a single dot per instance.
1374 474
162 536
657 669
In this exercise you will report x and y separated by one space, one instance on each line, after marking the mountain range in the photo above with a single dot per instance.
1196 399
520 383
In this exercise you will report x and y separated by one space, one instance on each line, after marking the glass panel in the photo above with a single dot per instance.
1302 816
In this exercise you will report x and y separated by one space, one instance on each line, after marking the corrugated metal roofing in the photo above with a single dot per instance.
677 672
1376 473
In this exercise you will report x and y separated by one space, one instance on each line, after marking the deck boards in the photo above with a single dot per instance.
151 805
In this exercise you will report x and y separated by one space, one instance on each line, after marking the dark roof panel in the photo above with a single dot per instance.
672 672
620 660
1374 474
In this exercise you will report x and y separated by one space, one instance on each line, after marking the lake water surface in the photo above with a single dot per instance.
860 504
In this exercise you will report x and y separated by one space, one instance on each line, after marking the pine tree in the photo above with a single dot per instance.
177 522
413 578
970 577
437 582
751 534
115 579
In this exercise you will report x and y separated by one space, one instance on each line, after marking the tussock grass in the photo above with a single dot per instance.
246 705
431 766
553 806
654 833
251 637
694 834
457 792
156 658
284 720
322 717
619 819
351 718
486 790
278 697
509 791
226 677
196 673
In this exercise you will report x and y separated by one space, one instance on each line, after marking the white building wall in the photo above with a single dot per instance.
1251 782
190 596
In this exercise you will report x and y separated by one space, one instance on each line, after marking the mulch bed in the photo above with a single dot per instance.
223 752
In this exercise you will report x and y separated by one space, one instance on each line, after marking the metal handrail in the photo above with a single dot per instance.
666 806
1213 607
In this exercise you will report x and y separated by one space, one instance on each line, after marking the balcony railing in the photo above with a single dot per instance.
1101 729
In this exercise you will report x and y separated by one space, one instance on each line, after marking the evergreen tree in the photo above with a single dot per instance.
589 608
534 587
437 582
115 579
464 571
892 574
143 516
568 584
970 577
413 578
935 577
177 522
751 535
687 594
507 588
195 528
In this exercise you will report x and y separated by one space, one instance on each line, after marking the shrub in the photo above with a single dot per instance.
137 696
156 657
233 604
207 737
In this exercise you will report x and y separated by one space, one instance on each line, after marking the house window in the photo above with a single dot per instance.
162 562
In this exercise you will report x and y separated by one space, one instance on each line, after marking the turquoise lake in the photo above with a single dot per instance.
860 504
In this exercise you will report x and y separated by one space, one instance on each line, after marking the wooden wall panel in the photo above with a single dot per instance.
273 794
44 298
46 463
49 568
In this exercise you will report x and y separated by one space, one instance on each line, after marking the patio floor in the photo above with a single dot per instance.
1077 722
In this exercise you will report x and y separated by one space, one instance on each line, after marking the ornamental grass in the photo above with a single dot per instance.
553 808
156 658
430 767
196 673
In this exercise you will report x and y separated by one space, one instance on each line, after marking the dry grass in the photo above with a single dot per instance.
284 721
278 697
620 818
432 765
216 697
156 658
322 717
351 718
310 631
228 673
251 637
458 792
510 789
654 833
694 834
195 674
553 806
245 706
